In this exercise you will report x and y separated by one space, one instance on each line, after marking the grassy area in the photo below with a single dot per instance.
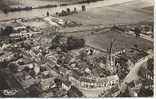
122 13
122 41
108 16
102 39
150 8
130 12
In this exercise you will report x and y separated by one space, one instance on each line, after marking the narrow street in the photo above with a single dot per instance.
133 74
143 36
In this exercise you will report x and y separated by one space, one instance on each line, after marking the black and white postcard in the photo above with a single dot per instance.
76 48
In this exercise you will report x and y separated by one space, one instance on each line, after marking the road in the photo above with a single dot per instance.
133 74
143 36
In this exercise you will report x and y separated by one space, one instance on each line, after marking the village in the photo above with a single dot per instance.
55 56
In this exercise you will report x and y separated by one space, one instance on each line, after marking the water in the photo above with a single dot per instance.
34 12
42 12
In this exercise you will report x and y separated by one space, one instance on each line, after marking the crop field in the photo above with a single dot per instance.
121 41
123 13
126 13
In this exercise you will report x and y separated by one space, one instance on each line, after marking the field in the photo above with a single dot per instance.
102 39
121 41
121 13
111 13
130 12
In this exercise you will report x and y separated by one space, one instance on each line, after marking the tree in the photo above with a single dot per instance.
82 55
83 8
125 92
68 10
58 92
8 30
47 13
147 83
150 64
74 92
3 64
13 67
122 67
26 46
3 84
34 90
145 92
135 46
74 43
137 32
56 41
58 82
75 10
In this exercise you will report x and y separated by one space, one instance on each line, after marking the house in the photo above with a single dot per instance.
66 85
47 83
20 28
24 34
95 82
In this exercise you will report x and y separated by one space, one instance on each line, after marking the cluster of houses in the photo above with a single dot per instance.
137 29
91 83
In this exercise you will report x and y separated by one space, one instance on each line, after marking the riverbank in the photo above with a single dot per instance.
10 6
95 11
120 13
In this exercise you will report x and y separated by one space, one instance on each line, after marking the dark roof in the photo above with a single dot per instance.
67 83
74 92
12 82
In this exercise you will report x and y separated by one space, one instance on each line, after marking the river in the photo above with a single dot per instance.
42 12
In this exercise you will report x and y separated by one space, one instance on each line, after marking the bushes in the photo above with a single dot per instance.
13 67
137 32
7 31
67 43
74 43
122 67
74 92
150 64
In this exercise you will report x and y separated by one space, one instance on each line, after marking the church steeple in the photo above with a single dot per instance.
110 59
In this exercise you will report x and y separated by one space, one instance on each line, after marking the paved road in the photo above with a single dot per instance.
143 36
133 74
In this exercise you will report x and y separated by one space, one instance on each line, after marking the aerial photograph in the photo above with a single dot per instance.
76 48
